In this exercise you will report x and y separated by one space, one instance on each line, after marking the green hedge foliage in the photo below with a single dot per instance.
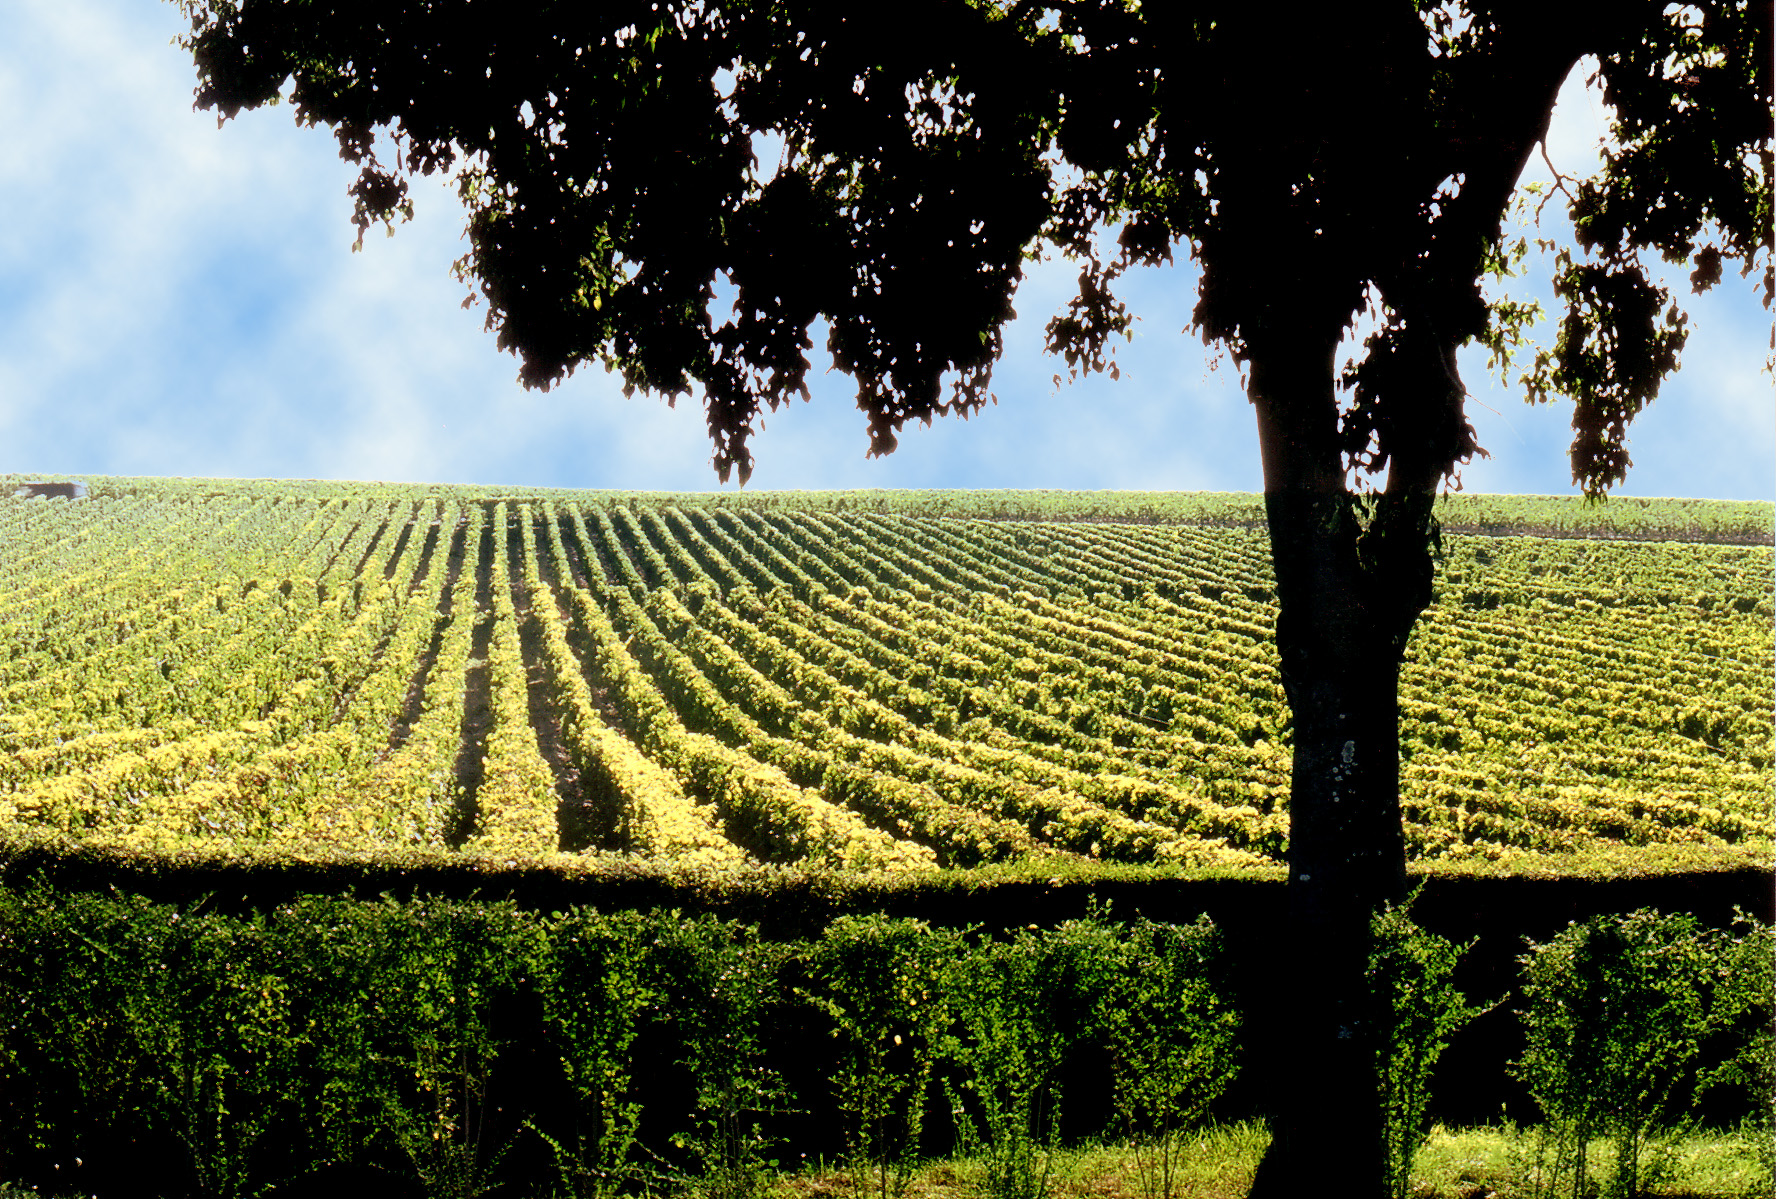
452 1046
157 1049
1617 1011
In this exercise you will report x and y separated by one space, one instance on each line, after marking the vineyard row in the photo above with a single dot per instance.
722 684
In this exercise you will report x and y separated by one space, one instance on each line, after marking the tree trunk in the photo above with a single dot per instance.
1340 636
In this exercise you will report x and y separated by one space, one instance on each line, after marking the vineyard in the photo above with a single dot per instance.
863 681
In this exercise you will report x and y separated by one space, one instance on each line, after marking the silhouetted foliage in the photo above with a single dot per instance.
1318 163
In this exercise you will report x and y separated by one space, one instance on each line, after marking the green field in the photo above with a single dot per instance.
886 681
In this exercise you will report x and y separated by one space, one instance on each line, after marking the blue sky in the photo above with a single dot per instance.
181 300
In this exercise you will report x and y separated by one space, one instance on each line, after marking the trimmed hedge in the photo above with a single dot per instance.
157 1048
215 1038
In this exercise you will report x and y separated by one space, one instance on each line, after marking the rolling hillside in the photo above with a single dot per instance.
859 680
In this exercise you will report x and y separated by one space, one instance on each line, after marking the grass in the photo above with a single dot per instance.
1219 1161
1220 1166
1469 1163
1475 1162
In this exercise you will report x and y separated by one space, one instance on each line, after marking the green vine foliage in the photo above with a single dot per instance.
234 1052
1023 1007
69 1066
339 961
880 981
595 991
719 983
1744 978
438 978
218 1039
1173 1039
1117 696
1617 1010
1410 971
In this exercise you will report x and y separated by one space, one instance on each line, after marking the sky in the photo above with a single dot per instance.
181 300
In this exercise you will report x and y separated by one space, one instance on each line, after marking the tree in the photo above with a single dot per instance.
1318 163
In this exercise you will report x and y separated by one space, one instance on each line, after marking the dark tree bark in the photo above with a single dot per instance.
1345 610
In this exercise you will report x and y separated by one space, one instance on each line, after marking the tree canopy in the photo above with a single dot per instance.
891 168
1353 158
